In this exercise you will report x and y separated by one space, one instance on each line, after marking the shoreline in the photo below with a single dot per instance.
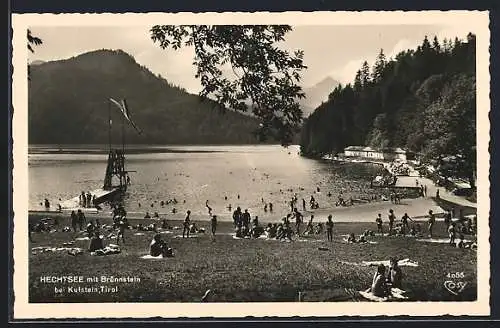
361 213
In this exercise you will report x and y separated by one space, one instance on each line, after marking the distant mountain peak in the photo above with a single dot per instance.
317 93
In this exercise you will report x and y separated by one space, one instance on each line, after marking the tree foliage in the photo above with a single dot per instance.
262 73
423 100
32 41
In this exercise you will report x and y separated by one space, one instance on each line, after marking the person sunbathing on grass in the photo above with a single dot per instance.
461 243
280 233
379 287
351 238
319 228
159 247
165 225
238 233
287 231
257 231
90 229
271 230
395 275
95 242
309 228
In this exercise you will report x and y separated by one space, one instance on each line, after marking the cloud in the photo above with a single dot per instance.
346 73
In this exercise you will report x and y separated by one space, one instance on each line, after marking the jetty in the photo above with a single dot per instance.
101 196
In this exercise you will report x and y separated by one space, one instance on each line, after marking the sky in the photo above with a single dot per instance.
336 51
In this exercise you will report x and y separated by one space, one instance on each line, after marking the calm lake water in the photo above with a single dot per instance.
195 174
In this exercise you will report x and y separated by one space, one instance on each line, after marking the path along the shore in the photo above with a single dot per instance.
416 208
410 181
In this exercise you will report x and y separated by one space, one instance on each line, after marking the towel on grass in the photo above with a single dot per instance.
404 262
138 234
166 231
47 249
246 237
108 250
345 240
190 236
396 294
150 257
443 240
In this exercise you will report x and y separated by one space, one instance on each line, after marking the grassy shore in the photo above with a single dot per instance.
248 270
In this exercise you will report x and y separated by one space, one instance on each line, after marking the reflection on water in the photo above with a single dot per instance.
195 174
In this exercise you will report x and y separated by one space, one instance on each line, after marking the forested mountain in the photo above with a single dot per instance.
423 100
69 103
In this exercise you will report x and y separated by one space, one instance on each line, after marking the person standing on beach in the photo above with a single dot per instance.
213 225
310 227
378 220
329 228
432 220
237 216
246 220
122 225
425 190
187 223
303 204
312 201
392 217
89 200
298 221
82 199
404 221
74 220
271 207
447 219
81 219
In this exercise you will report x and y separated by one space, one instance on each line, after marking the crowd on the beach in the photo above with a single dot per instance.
86 200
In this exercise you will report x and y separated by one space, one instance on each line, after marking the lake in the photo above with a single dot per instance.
194 174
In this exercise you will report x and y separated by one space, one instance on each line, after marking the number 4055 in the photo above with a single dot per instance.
455 275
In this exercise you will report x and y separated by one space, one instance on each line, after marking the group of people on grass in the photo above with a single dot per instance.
401 228
382 284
